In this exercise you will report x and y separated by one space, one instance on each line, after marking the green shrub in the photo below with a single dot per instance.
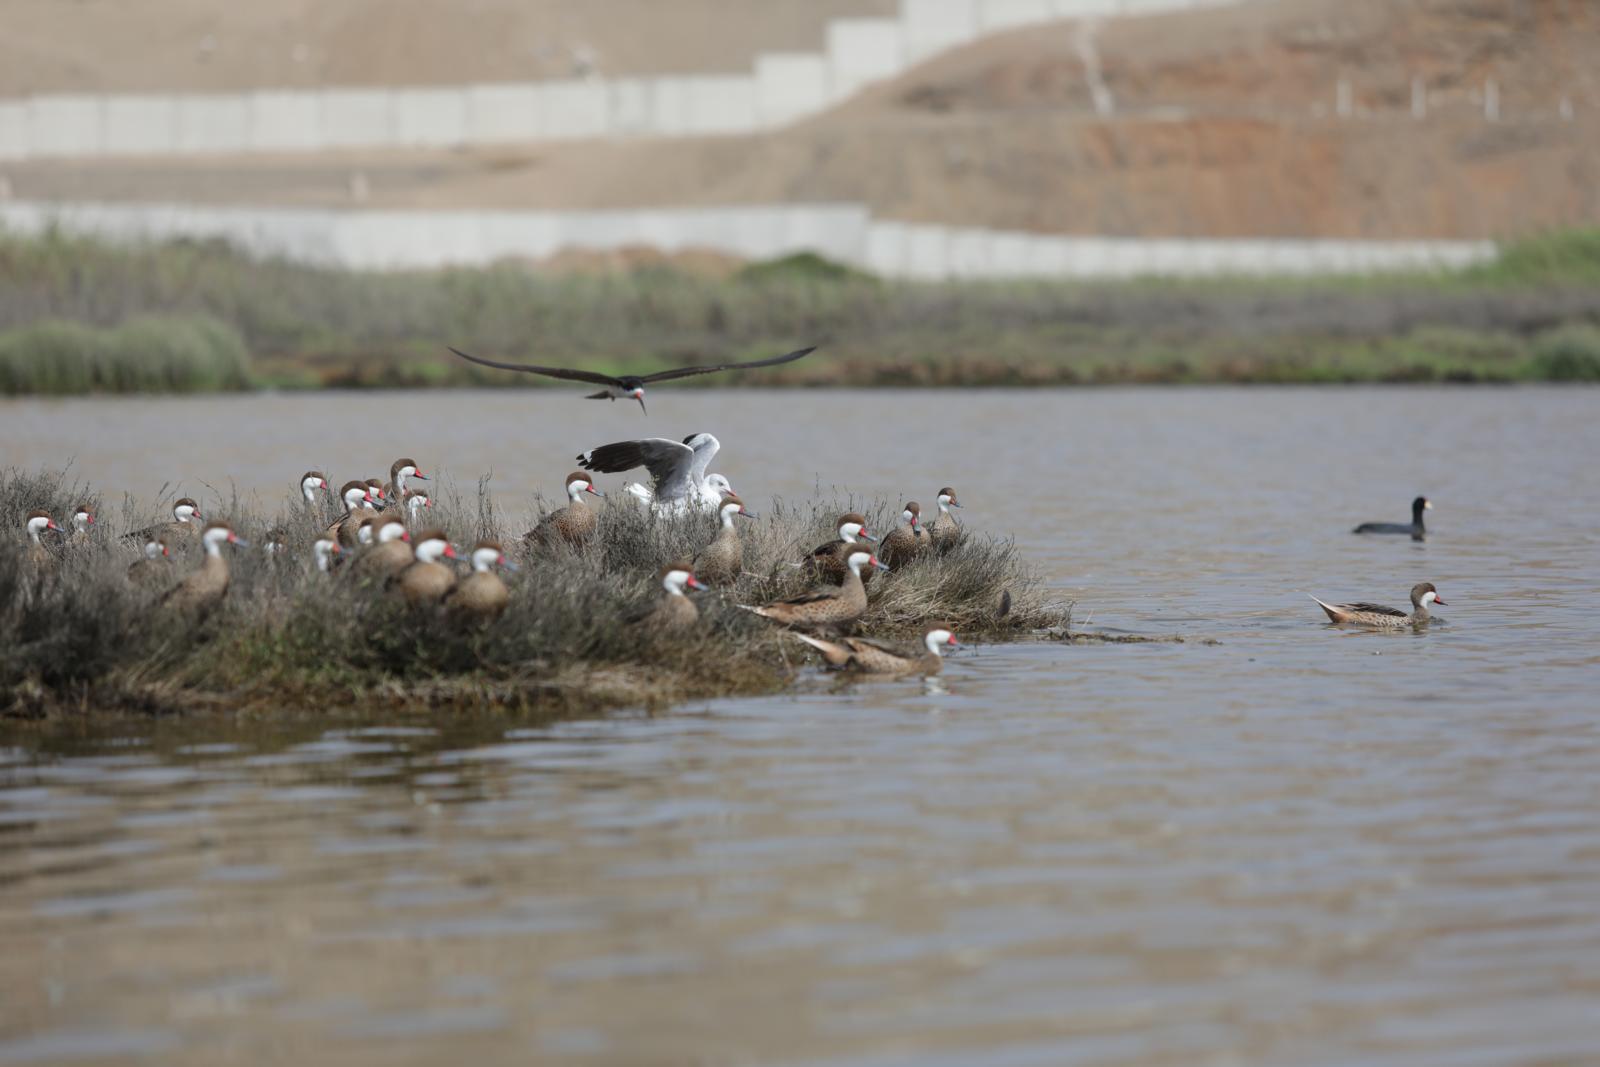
1568 354
190 353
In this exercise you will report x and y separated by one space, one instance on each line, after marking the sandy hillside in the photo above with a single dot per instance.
1223 125
118 45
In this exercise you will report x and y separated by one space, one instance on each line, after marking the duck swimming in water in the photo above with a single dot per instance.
1414 527
1380 617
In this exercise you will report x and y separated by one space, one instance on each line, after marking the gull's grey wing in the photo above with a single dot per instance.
668 462
565 373
689 372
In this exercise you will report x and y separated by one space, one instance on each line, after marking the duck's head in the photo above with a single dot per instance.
364 531
579 483
731 506
415 500
487 554
323 549
156 548
434 546
355 493
676 577
390 529
404 468
1424 594
947 498
912 515
184 509
853 525
938 639
376 489
1421 504
82 517
312 483
216 534
38 522
862 558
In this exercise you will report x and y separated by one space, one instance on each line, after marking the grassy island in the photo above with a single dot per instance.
77 638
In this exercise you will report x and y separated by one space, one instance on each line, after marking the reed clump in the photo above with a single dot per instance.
147 354
79 638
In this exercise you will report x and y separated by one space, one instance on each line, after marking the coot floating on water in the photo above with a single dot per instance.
1414 527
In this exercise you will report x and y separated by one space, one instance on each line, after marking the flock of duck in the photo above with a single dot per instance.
380 538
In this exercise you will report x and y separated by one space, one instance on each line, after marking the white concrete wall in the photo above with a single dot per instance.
782 88
385 240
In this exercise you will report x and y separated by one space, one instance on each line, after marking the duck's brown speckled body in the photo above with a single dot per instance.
827 608
1380 617
874 657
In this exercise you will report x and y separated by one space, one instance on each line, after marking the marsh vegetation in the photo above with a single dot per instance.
80 315
79 638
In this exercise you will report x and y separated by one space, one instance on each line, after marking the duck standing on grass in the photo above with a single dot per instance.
356 497
1379 617
672 609
826 608
203 589
154 566
390 552
827 561
946 531
323 551
181 532
873 657
425 580
722 561
82 519
482 595
40 557
573 524
905 543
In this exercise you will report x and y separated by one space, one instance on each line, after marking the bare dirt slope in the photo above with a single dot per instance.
1222 123
217 45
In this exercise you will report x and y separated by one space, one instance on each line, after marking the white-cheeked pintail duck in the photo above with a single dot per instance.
1381 617
945 531
722 561
425 580
827 608
672 608
874 657
482 595
905 543
573 524
827 561
202 589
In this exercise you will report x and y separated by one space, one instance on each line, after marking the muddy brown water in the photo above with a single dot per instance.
1294 846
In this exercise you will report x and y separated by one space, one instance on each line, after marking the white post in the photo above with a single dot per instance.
1419 98
1491 101
1343 106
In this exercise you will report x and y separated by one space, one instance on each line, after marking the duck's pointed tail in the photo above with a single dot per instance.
1334 614
837 655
